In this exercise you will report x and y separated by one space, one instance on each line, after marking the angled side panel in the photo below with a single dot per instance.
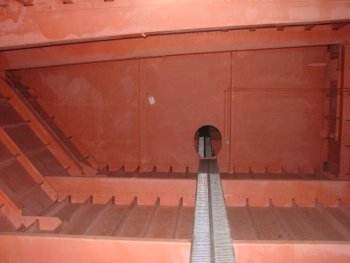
344 169
39 128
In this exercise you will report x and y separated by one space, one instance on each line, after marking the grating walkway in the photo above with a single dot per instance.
211 234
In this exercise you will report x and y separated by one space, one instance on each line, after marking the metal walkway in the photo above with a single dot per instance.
211 234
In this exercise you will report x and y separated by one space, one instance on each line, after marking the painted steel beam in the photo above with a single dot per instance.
259 192
125 189
282 192
168 45
52 22
21 157
27 164
38 126
344 169
288 252
64 249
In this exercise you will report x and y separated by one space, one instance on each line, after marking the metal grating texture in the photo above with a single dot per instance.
211 234
201 242
221 239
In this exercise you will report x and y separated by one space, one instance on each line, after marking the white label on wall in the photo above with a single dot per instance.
151 100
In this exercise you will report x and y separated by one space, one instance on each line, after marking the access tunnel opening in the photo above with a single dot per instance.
207 141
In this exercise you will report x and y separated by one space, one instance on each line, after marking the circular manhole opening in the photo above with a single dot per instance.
207 141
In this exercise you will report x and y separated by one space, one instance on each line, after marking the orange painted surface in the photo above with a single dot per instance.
116 122
169 45
258 192
277 109
125 189
282 192
38 129
302 252
184 102
34 248
70 249
97 139
55 22
345 115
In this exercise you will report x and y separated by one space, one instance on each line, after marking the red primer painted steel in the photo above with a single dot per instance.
344 164
170 45
282 192
97 150
113 118
53 22
70 249
125 189
36 248
259 192
38 127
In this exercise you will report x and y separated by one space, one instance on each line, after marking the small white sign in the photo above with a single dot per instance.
151 100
